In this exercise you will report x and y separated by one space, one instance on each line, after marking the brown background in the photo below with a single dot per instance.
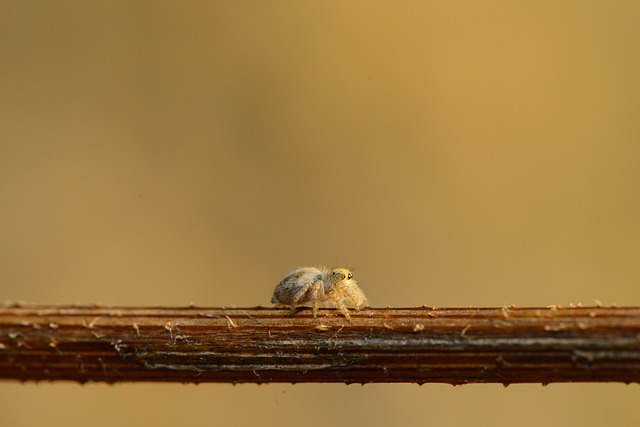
453 153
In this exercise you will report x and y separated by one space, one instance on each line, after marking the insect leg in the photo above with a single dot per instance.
337 299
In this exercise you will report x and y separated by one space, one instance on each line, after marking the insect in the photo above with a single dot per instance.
319 287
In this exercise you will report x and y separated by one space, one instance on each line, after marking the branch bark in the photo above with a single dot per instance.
261 345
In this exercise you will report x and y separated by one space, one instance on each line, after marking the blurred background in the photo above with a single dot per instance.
460 153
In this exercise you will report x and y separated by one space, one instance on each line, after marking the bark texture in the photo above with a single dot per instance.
260 345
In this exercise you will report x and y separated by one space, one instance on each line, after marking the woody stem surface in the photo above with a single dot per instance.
261 345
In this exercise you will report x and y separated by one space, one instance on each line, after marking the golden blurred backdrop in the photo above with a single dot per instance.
460 153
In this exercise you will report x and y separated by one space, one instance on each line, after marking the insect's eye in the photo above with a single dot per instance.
349 276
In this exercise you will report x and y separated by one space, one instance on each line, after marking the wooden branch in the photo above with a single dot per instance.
261 345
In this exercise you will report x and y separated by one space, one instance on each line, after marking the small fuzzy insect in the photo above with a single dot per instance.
319 287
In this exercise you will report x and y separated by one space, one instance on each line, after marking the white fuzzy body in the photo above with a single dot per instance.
320 288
